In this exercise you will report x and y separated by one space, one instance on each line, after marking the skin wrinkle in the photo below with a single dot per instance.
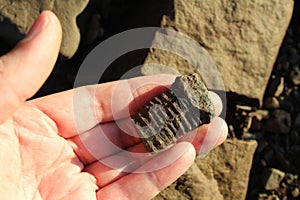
56 126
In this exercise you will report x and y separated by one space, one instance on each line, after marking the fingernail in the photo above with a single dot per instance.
37 27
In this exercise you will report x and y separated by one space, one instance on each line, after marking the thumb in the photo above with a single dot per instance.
24 69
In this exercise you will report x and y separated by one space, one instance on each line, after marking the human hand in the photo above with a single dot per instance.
48 145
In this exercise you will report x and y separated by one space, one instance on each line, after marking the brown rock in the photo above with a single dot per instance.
279 122
271 103
192 185
295 76
271 178
222 174
23 14
243 37
230 166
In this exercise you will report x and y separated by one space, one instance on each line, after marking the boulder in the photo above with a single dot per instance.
22 14
243 37
222 174
192 185
230 166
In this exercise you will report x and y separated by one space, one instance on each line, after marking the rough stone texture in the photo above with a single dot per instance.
192 185
23 13
243 37
223 171
182 108
271 178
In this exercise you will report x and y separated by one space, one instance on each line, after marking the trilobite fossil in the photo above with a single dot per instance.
166 118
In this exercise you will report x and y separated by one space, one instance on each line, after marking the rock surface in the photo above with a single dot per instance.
180 109
271 178
192 185
222 174
243 37
23 13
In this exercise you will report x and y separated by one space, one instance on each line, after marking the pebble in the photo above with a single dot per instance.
275 86
295 76
289 178
280 87
297 122
271 103
271 178
296 192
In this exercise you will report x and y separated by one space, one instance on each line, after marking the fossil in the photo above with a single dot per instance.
166 118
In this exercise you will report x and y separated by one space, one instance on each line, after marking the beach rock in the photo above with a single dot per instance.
243 37
22 14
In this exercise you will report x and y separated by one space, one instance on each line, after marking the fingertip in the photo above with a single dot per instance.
224 133
217 102
187 148
211 136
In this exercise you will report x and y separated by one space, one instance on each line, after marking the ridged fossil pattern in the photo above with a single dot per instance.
166 118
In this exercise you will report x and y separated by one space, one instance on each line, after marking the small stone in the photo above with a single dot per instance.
280 87
296 192
167 117
275 86
271 178
295 76
289 178
279 122
271 103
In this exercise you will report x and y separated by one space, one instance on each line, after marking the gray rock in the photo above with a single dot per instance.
280 87
243 37
275 86
23 13
296 192
271 178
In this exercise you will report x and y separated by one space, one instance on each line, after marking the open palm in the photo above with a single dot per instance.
48 153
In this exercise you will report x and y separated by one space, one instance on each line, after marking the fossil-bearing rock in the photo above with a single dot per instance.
166 118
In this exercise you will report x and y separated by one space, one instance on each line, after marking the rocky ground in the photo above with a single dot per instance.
276 127
243 37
